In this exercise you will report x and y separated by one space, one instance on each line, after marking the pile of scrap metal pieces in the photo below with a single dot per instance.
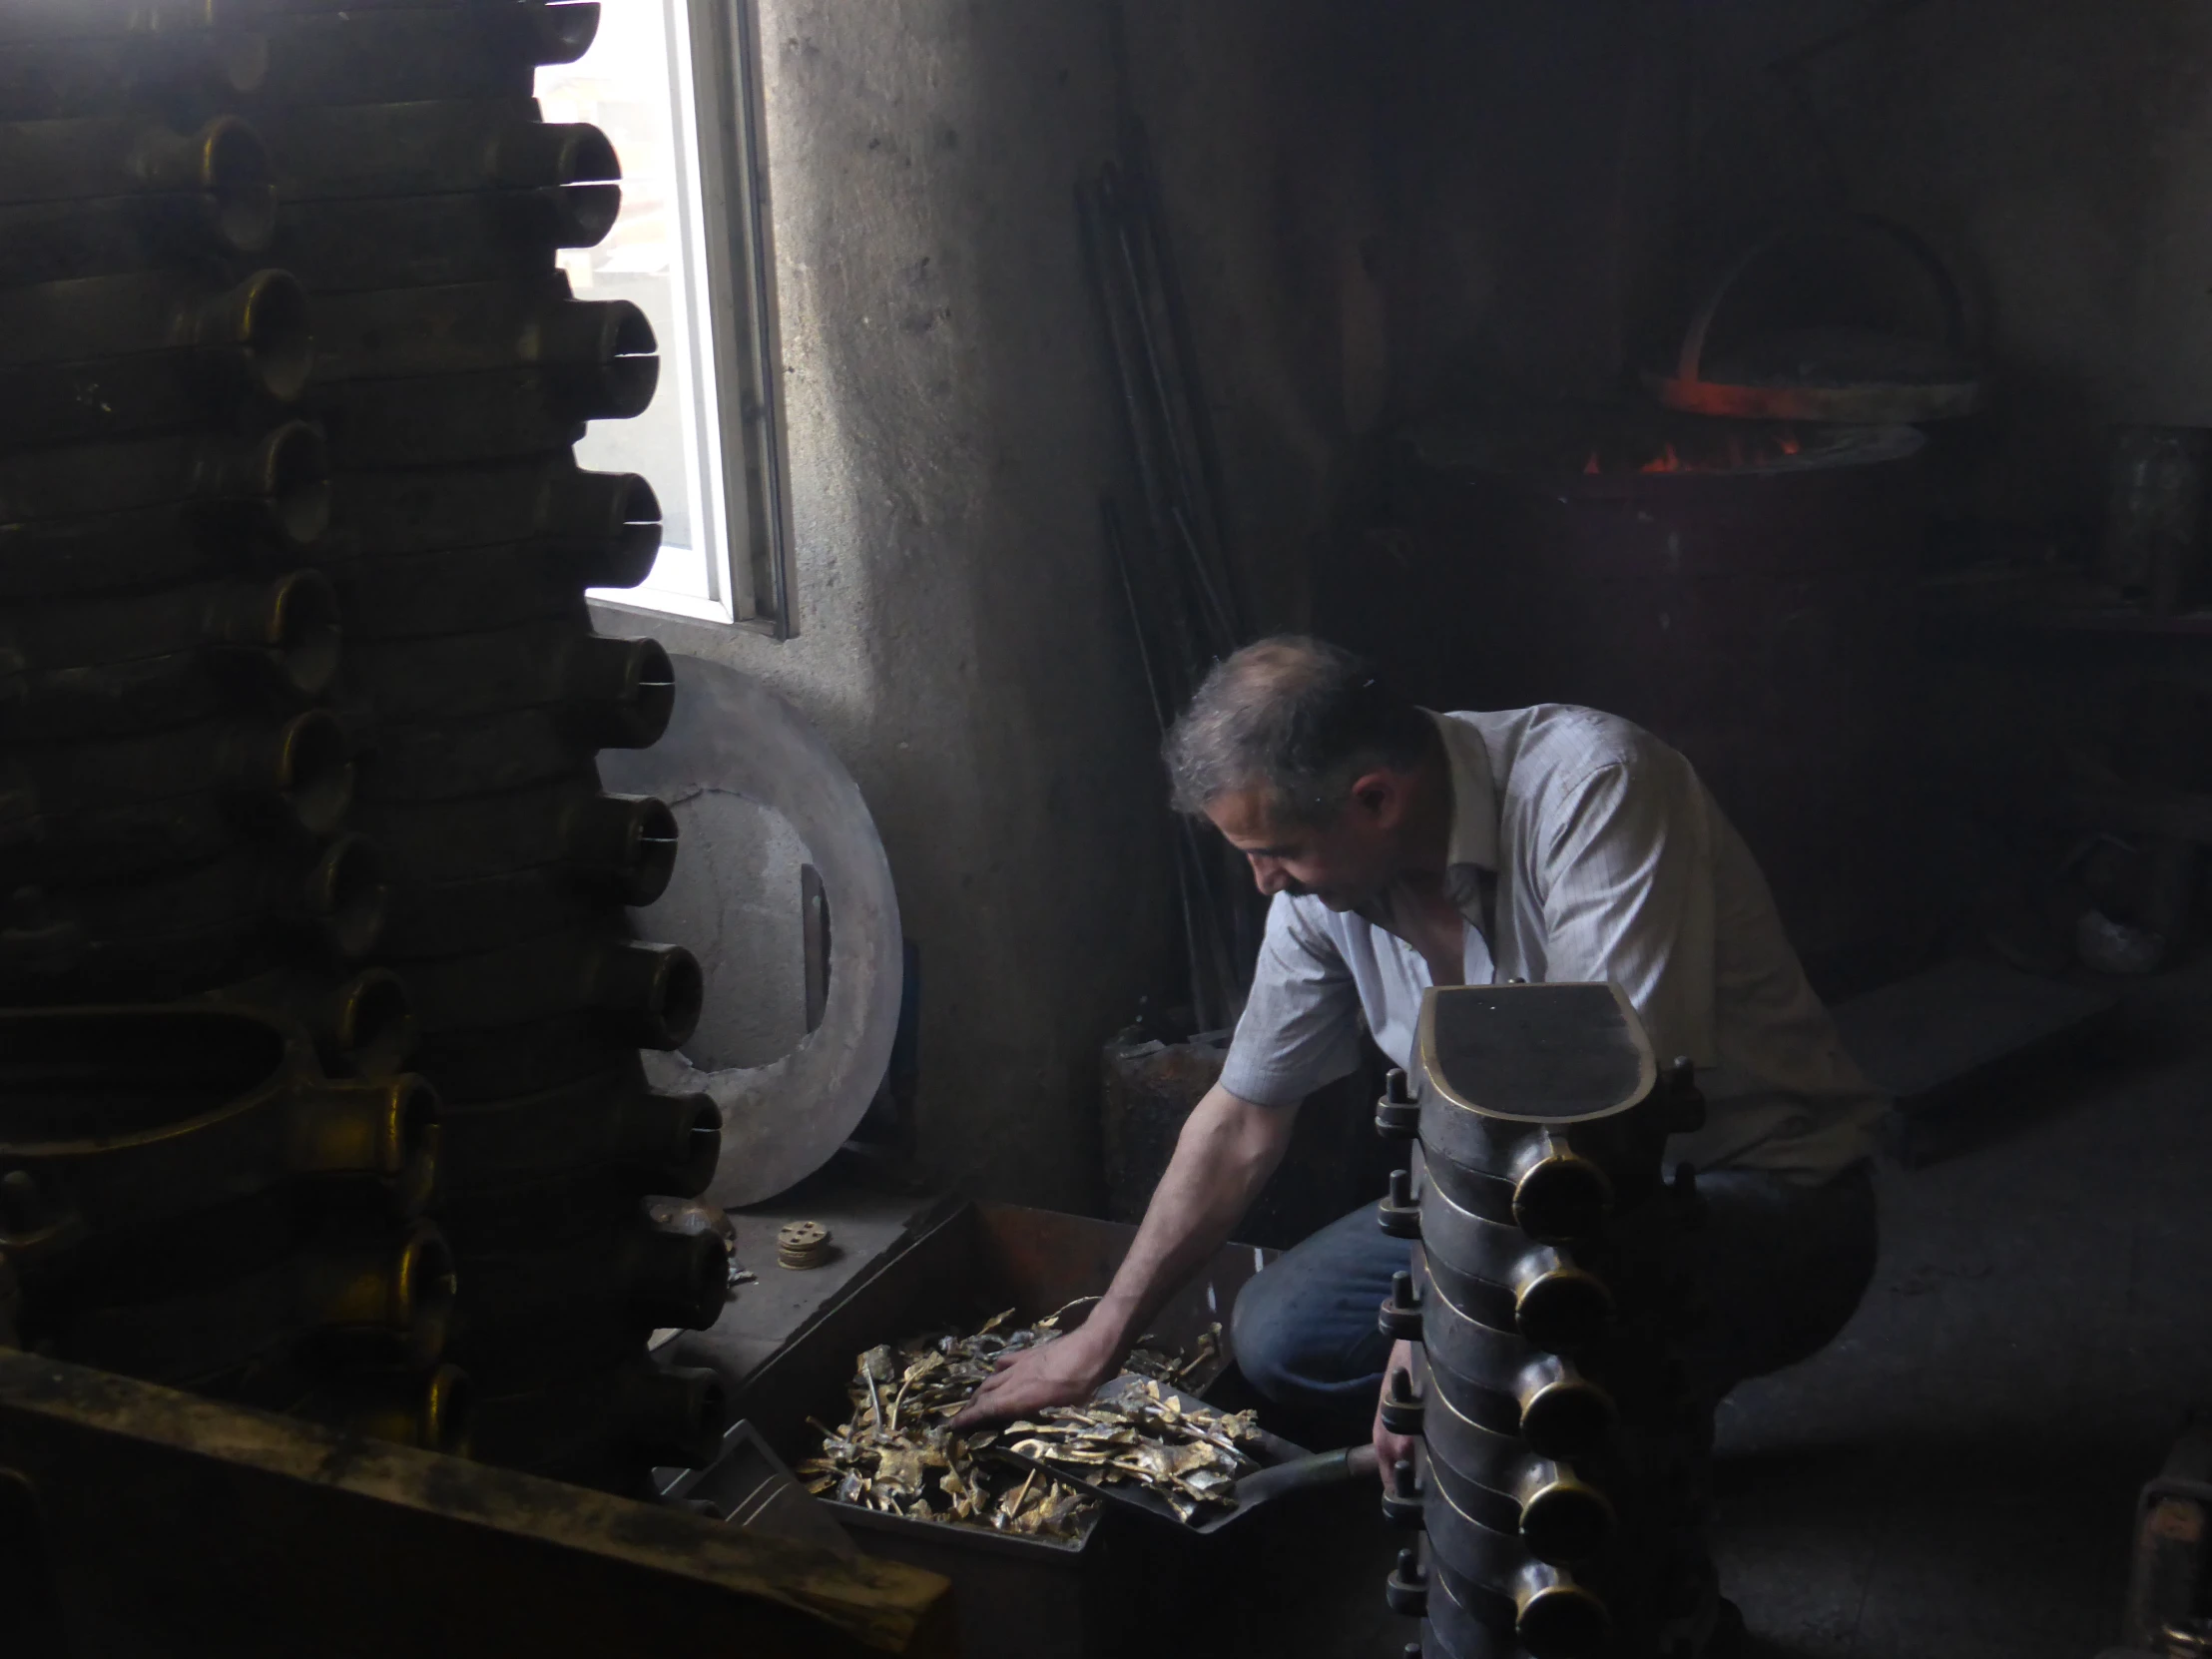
300 710
1146 1435
894 1453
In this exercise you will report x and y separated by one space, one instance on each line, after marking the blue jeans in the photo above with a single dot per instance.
1782 1267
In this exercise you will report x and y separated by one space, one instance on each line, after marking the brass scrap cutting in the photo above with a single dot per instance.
894 1453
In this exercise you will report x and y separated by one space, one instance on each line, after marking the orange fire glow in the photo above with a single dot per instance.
1734 453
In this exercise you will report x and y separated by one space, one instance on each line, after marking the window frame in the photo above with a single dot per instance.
736 230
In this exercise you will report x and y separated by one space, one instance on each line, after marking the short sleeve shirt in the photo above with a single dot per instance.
1582 849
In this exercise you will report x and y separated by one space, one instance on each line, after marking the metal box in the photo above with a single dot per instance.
1014 1596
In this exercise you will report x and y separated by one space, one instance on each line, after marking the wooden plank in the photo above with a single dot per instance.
178 1524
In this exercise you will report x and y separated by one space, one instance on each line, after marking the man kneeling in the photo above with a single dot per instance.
1404 850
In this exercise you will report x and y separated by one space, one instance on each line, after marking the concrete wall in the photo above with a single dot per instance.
1259 118
961 642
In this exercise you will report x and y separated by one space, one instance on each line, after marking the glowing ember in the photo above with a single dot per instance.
1733 451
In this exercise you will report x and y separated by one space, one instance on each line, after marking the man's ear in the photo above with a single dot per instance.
1381 795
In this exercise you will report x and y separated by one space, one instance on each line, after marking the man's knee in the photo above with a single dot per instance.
1303 1332
1265 1335
1785 1268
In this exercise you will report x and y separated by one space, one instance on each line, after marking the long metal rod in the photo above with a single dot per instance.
1110 517
1184 615
1186 497
1188 871
1221 630
1184 651
1174 376
1176 308
1091 214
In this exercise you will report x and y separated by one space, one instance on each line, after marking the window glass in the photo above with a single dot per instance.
636 85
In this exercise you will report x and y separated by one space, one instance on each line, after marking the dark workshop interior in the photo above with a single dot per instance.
596 952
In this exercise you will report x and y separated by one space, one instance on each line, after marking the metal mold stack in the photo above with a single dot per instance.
293 554
422 201
187 1198
226 1193
1561 1480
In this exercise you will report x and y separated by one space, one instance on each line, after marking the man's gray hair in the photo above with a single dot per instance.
1298 718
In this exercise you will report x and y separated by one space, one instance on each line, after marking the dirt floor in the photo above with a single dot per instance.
1956 1475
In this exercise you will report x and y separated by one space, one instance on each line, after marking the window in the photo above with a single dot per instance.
675 85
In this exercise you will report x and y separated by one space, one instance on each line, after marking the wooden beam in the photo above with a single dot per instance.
175 1524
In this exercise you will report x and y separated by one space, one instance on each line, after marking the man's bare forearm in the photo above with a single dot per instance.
1226 1150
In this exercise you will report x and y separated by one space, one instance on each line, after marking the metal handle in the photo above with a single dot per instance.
1407 1590
1396 1114
1399 1318
1399 1214
1323 1469
1402 1499
1402 1410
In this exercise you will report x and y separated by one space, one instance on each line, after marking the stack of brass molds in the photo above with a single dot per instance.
422 201
187 1198
1562 1469
213 1197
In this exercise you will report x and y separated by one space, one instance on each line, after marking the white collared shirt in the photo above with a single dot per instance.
1611 860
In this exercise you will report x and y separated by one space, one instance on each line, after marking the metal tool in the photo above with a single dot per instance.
1283 1468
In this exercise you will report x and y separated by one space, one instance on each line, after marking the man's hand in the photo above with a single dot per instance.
1392 1449
1223 1155
1064 1370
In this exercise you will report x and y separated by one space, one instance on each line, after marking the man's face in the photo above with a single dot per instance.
1345 862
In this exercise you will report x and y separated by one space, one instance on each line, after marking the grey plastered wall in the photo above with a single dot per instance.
961 641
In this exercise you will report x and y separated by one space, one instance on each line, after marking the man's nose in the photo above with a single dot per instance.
1268 875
